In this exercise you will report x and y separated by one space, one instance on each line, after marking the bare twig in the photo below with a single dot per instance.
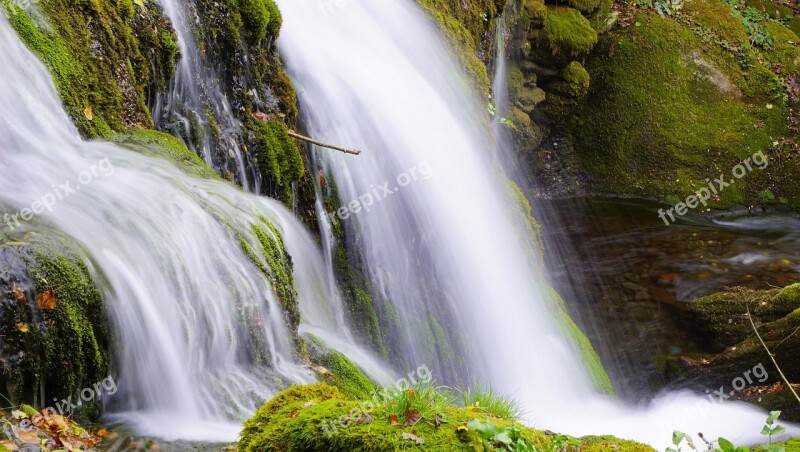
771 355
294 134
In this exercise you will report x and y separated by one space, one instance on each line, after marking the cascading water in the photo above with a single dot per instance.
190 311
196 96
445 250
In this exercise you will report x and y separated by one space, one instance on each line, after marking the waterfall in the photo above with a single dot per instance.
195 97
443 248
178 287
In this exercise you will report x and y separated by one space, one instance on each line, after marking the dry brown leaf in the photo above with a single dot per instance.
28 437
46 300
393 419
19 294
87 112
411 436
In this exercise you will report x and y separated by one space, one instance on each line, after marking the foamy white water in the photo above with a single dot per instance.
189 309
446 250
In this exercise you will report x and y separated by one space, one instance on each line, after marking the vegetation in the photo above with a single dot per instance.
320 417
485 400
567 32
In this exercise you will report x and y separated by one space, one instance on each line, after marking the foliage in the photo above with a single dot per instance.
724 445
485 400
422 400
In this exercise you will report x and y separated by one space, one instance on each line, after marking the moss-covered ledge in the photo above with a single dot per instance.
320 417
54 332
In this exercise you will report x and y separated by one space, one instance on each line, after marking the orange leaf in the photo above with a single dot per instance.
294 413
23 327
87 113
393 420
28 437
46 300
19 294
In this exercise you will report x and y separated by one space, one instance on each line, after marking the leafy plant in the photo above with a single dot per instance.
421 401
484 399
492 109
770 428
668 7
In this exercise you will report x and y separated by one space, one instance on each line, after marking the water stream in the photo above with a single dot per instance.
187 306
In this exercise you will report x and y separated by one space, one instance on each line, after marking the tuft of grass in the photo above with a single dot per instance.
485 400
421 400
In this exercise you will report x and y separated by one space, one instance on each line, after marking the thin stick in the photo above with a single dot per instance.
294 134
771 356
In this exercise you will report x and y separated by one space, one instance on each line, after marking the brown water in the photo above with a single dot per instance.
627 277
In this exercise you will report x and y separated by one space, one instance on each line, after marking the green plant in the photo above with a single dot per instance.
422 400
668 7
485 400
770 428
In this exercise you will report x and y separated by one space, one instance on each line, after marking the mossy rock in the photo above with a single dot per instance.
153 142
260 18
580 343
534 10
103 56
724 314
667 110
567 33
779 336
278 157
464 24
573 81
306 418
337 370
584 6
55 332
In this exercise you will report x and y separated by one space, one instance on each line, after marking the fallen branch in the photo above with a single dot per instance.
294 134
264 117
771 355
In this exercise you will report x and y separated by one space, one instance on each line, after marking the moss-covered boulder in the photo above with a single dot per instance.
104 55
568 33
724 315
320 417
676 101
54 333
337 370
745 368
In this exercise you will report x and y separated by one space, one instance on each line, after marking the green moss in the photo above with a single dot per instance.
580 342
278 157
463 23
97 60
345 376
363 310
64 349
774 10
259 19
712 15
279 270
723 314
786 47
534 10
160 144
307 418
668 110
567 32
585 6
574 81
525 212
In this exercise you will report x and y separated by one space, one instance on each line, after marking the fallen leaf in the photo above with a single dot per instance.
17 414
365 419
23 327
412 417
461 428
413 437
294 413
9 446
260 115
46 300
87 112
393 419
310 403
19 294
439 419
28 437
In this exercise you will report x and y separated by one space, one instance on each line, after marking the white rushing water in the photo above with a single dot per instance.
444 248
188 308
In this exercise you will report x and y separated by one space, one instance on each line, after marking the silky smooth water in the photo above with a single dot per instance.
445 251
186 305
